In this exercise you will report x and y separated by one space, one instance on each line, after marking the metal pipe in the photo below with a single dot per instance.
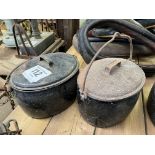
35 29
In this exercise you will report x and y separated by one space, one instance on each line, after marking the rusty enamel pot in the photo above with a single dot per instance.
108 89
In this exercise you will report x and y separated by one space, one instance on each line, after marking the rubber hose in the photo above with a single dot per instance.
146 22
109 31
122 26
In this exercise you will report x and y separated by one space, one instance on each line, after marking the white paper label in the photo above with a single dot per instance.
36 73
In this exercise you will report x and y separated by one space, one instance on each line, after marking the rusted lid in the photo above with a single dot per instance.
112 79
44 71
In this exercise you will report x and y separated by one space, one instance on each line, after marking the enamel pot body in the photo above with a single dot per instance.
109 88
105 114
49 102
109 91
49 95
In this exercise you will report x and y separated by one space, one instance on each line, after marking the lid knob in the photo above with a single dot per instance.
112 65
48 61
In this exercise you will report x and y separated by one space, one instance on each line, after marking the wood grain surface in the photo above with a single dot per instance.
150 128
132 125
28 125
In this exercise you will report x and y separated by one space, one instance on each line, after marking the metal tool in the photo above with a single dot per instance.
40 40
8 38
5 128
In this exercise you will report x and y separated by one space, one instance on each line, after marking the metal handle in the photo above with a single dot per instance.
116 34
5 128
21 29
112 65
43 58
14 123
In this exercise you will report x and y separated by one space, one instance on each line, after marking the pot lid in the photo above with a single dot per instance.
44 71
111 79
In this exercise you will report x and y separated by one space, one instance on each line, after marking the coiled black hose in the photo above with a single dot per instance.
122 26
137 32
146 22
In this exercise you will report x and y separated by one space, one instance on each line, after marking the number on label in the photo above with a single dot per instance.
37 72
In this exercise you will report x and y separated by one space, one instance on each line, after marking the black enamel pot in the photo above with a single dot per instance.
108 89
46 85
106 113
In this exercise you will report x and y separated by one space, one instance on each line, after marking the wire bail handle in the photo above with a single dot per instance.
116 34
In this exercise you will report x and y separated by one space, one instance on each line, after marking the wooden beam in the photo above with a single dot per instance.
66 28
57 44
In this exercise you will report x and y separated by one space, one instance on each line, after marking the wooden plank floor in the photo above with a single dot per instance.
133 125
150 129
5 109
70 121
8 60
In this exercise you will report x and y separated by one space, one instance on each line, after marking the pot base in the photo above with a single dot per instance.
106 114
49 102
